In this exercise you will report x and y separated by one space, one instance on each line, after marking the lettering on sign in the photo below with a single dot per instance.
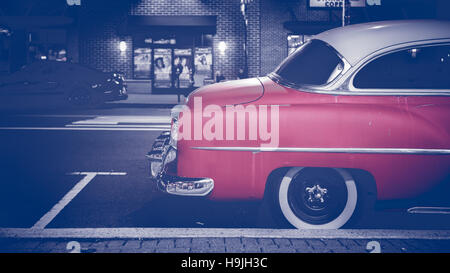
335 3
73 2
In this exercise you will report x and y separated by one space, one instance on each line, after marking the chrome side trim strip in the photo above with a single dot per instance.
429 210
331 150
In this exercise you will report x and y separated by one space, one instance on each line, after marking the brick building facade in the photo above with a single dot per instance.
274 34
102 36
266 37
266 34
101 31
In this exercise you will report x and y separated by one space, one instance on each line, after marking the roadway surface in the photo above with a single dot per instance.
65 169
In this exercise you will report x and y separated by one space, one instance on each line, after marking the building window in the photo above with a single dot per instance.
162 68
142 61
173 62
183 69
294 41
203 65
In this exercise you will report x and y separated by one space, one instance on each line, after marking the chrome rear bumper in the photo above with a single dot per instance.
161 157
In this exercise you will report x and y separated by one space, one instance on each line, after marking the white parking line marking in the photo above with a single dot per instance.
118 126
49 216
57 116
109 123
107 119
152 233
98 173
80 129
124 119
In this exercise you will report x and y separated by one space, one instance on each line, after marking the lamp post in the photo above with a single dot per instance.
345 15
244 4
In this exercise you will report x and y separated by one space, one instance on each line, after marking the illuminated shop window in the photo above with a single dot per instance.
294 41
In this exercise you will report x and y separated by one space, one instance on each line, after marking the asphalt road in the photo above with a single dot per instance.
46 156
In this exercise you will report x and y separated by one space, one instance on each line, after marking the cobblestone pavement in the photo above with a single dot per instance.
221 245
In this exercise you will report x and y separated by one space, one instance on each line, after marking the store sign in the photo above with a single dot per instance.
373 2
335 3
73 2
165 42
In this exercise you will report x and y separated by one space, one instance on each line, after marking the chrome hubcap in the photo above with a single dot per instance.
316 194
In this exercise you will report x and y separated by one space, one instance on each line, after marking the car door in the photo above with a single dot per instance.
419 76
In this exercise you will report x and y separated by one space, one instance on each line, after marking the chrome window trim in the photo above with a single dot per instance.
275 77
341 85
332 150
376 55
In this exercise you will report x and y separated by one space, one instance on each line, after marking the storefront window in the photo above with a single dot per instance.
203 65
162 67
182 68
142 63
47 52
57 54
173 63
294 41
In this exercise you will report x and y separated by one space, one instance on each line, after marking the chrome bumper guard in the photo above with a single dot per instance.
159 157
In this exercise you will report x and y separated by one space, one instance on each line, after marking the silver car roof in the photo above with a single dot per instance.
354 42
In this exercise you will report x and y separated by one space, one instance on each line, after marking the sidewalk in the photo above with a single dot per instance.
149 99
154 240
139 93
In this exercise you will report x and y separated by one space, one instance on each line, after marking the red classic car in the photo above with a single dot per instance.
357 114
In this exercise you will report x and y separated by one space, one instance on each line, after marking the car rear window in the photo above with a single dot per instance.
425 67
314 63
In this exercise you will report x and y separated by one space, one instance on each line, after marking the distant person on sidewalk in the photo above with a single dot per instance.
242 74
178 67
219 76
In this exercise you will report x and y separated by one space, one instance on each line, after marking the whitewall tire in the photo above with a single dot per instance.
313 198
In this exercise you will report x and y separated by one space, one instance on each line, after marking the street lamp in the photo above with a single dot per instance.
122 46
244 4
222 47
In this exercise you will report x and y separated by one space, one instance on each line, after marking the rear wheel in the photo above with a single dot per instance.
317 198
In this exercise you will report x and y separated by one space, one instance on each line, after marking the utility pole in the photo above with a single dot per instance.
346 7
244 4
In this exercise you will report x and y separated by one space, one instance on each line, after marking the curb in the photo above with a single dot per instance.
152 233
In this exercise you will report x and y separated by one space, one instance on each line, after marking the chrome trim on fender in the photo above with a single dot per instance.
331 150
162 154
187 186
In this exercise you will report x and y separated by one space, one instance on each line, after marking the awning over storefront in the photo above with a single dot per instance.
203 24
308 28
20 22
